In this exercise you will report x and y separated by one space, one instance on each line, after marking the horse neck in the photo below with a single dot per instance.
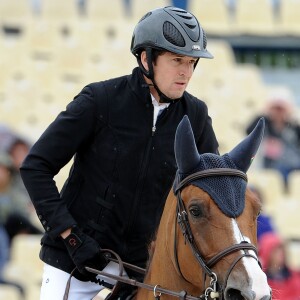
162 269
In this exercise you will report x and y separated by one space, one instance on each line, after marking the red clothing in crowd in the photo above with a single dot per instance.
285 282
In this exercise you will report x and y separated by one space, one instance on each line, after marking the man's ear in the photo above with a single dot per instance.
144 60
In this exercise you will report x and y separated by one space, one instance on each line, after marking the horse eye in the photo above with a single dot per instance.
195 211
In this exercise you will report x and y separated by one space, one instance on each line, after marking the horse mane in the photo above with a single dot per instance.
151 249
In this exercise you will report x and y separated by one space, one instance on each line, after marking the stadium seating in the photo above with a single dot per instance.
289 17
15 13
100 10
270 183
59 13
213 15
293 253
255 17
60 50
42 38
141 7
8 292
294 184
286 217
24 266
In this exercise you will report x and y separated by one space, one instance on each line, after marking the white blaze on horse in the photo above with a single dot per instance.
205 246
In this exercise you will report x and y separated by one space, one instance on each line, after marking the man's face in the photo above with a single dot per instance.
172 73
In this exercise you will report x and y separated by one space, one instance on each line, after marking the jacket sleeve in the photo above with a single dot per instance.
53 150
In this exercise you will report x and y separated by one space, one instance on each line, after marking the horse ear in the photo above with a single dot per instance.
186 152
243 154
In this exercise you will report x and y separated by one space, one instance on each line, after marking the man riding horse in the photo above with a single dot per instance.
120 133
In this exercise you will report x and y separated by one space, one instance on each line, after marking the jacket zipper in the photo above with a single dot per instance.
138 193
153 130
141 181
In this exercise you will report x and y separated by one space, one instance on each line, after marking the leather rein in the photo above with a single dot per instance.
211 292
157 289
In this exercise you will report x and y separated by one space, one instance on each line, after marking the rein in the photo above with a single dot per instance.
157 290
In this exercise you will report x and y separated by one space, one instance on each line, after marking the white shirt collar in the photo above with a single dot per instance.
158 107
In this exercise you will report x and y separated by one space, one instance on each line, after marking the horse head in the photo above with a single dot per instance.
222 213
206 241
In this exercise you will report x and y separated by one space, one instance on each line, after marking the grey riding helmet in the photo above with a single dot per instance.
172 29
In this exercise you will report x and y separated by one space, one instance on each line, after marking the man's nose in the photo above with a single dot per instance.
186 69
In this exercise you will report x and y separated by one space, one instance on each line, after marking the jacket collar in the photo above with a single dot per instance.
139 86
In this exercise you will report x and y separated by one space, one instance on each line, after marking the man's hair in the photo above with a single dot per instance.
156 53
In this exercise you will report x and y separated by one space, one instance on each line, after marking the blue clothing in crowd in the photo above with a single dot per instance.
264 225
181 4
4 250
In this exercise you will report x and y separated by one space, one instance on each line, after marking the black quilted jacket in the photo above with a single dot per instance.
122 170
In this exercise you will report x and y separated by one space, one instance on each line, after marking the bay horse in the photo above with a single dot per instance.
206 243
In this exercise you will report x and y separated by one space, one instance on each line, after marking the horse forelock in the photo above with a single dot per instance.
228 192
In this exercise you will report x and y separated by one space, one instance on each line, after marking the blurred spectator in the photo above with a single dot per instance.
4 258
231 7
82 7
264 221
184 4
284 281
14 205
17 147
127 4
276 5
18 150
4 251
281 147
6 137
36 6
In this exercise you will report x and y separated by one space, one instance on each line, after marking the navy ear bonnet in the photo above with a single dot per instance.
227 191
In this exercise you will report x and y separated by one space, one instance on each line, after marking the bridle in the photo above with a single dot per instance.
212 291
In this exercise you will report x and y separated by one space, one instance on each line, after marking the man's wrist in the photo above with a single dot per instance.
73 240
66 233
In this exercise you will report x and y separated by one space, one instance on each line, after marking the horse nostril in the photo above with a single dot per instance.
233 294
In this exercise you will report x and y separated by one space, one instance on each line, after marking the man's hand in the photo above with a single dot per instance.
84 251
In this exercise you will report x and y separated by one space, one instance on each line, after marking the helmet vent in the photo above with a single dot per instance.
190 26
177 10
172 35
204 39
145 16
188 17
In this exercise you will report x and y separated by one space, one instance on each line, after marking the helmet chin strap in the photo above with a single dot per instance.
150 74
162 97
